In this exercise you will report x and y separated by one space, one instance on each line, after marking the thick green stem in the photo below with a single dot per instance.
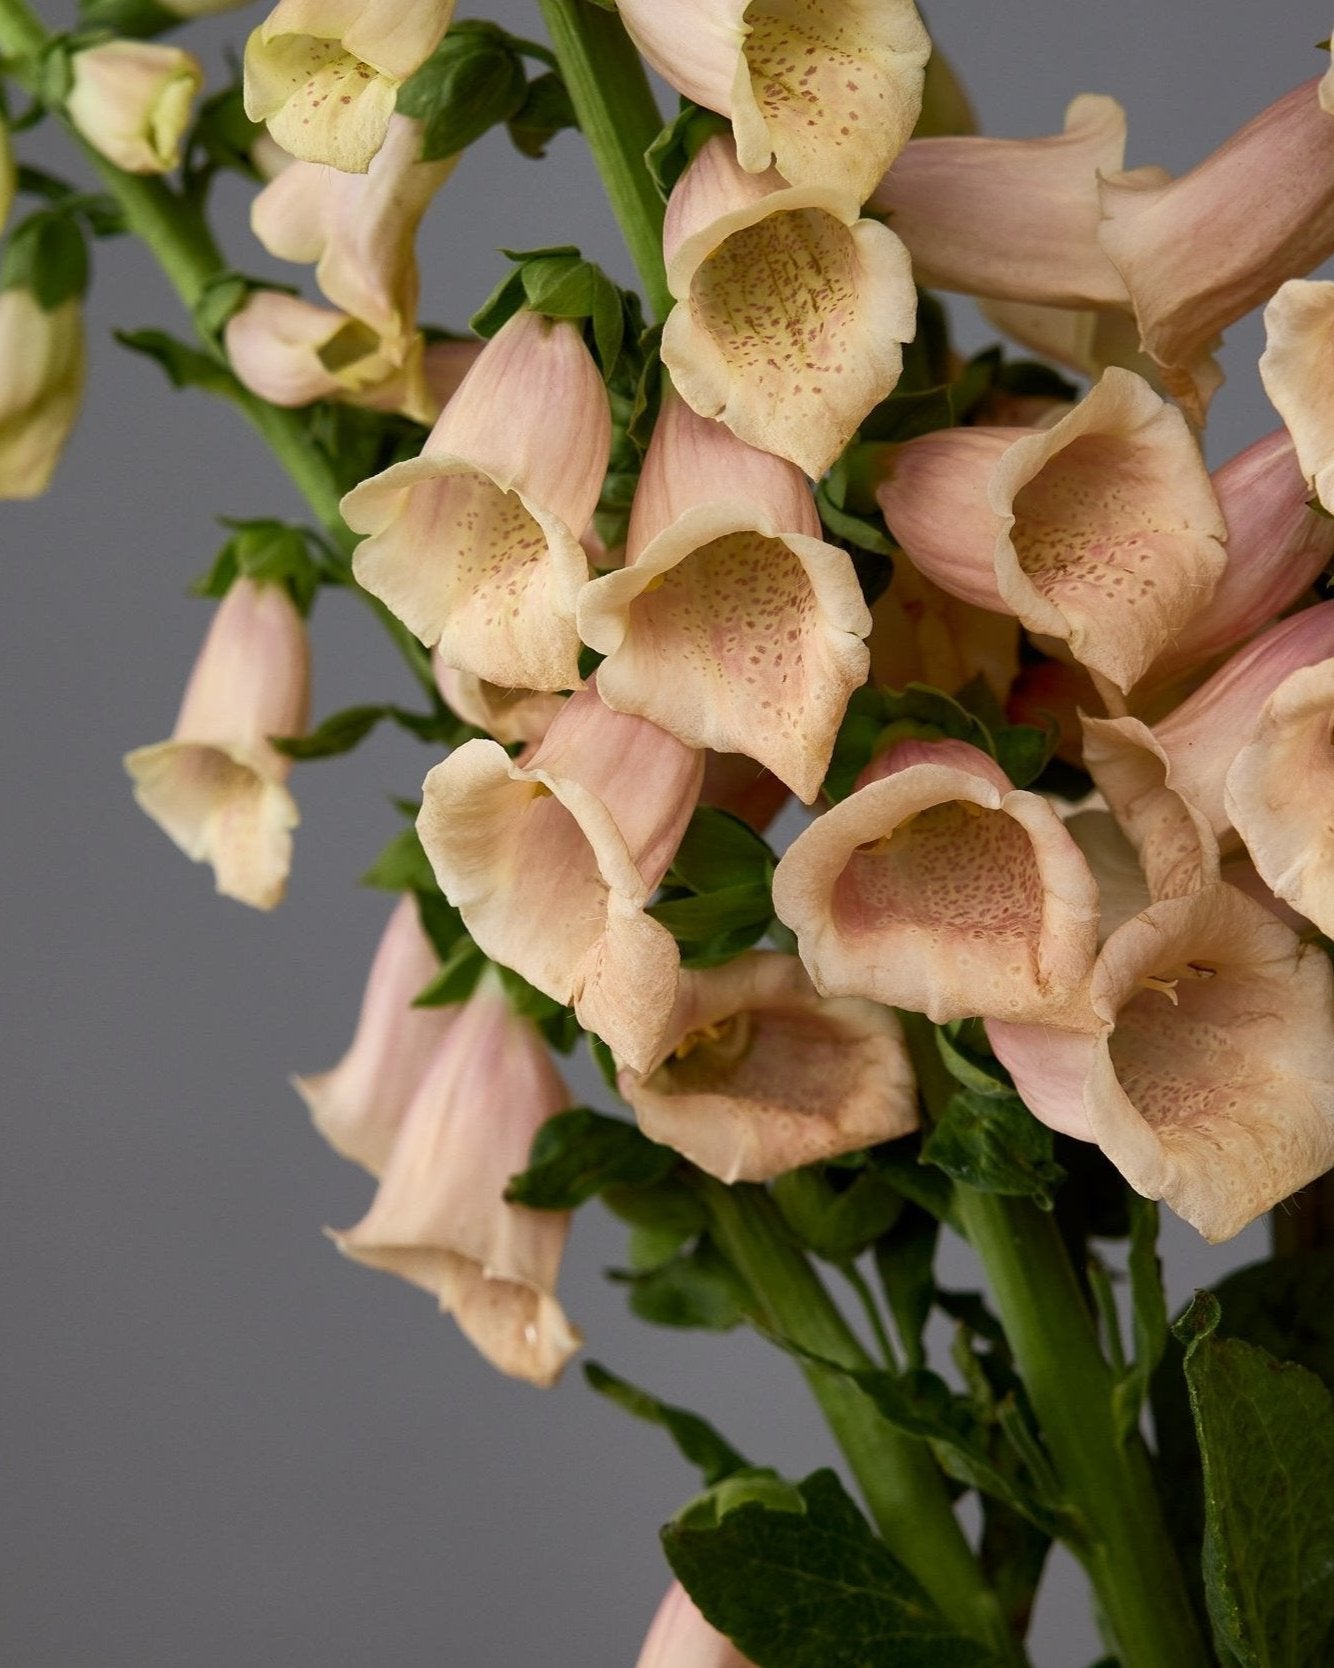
619 119
897 1475
1129 1558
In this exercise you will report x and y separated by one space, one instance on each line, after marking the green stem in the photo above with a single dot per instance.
1130 1560
620 120
899 1479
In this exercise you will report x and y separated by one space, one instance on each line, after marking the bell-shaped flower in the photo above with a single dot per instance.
1279 792
732 624
325 74
681 1638
922 634
790 311
1101 532
292 352
474 545
217 787
939 887
131 101
552 860
1299 344
357 230
440 1219
757 1074
1197 253
1016 219
507 715
359 1105
1166 784
43 365
828 94
1208 1078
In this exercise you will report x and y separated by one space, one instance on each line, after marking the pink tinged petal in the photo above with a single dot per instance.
1123 890
737 784
679 1636
440 1219
475 544
359 1106
1197 253
1277 546
1211 1087
695 45
552 861
758 1074
936 889
1083 339
921 634
731 625
275 344
1294 367
1015 219
828 90
1050 1068
1050 693
507 715
1280 793
791 312
217 787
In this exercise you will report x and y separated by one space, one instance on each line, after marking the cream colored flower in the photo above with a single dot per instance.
131 100
43 365
1299 343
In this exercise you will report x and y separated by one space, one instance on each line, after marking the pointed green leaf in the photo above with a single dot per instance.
578 1153
995 1144
695 1437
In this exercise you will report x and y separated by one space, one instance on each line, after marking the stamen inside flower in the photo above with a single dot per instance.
717 1046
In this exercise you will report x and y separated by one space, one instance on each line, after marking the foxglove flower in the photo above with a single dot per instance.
1299 338
43 366
681 1638
131 101
507 715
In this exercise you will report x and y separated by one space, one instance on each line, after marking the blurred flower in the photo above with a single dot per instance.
131 101
42 370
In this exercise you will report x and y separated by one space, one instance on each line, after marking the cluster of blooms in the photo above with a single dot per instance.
1145 960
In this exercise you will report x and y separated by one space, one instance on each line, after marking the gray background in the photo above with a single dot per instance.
222 1443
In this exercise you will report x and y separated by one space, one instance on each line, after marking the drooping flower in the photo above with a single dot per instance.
507 715
791 310
324 74
1206 1077
131 101
732 624
1299 338
475 544
757 1074
1086 340
552 860
681 1638
826 93
43 366
440 1218
359 1105
939 887
1101 532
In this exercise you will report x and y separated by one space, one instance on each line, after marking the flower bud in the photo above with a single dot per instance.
217 788
938 887
732 624
440 1218
131 101
359 1106
757 1074
325 77
681 1638
42 371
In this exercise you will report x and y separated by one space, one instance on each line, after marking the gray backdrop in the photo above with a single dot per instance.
225 1445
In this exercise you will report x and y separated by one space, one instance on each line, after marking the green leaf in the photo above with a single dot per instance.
697 1288
459 972
1266 1436
48 254
402 866
967 1055
809 1587
1149 1316
837 1222
695 920
339 733
1286 1306
720 851
473 80
578 1153
995 1145
679 143
905 1262
185 366
546 111
223 135
695 1437
559 283
1023 751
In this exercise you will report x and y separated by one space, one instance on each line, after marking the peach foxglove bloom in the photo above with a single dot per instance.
921 634
1166 785
757 1074
1197 253
291 352
681 1638
939 887
359 1106
1101 532
217 788
324 74
1206 1078
357 230
827 91
732 624
440 1218
42 370
1299 337
507 715
1280 789
1016 219
131 101
790 310
551 861
475 544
